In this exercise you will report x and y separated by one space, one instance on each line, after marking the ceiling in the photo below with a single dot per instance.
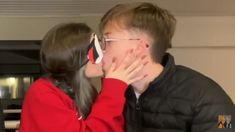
57 8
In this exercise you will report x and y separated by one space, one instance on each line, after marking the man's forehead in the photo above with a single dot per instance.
115 32
113 28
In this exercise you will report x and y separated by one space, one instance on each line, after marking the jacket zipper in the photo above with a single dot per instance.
137 107
138 116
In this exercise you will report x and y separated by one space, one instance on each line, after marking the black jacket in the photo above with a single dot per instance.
178 100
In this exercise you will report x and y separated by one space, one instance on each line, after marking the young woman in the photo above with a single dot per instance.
65 100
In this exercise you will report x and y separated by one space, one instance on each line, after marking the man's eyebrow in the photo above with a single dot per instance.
107 33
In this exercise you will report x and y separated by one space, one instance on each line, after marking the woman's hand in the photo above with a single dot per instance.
128 70
93 70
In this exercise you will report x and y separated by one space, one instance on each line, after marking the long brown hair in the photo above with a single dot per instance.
63 54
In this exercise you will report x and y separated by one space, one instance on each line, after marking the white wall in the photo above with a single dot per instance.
204 43
34 28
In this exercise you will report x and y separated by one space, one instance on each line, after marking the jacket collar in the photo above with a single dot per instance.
169 69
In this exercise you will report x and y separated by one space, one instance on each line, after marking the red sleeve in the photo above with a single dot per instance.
108 108
47 112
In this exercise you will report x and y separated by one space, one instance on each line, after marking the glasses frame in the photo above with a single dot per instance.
103 41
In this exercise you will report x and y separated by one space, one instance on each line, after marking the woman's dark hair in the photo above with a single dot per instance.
63 54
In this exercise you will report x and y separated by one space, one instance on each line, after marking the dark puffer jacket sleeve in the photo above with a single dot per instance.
211 103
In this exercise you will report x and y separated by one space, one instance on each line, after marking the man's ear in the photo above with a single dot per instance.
141 48
143 45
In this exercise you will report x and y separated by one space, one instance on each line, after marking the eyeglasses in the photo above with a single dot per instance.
103 41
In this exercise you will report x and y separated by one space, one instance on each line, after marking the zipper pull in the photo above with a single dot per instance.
137 107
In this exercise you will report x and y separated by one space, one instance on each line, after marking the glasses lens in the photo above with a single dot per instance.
102 43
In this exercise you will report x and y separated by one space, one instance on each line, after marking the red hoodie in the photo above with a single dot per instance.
48 109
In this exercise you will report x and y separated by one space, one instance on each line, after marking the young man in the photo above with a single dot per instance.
171 98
